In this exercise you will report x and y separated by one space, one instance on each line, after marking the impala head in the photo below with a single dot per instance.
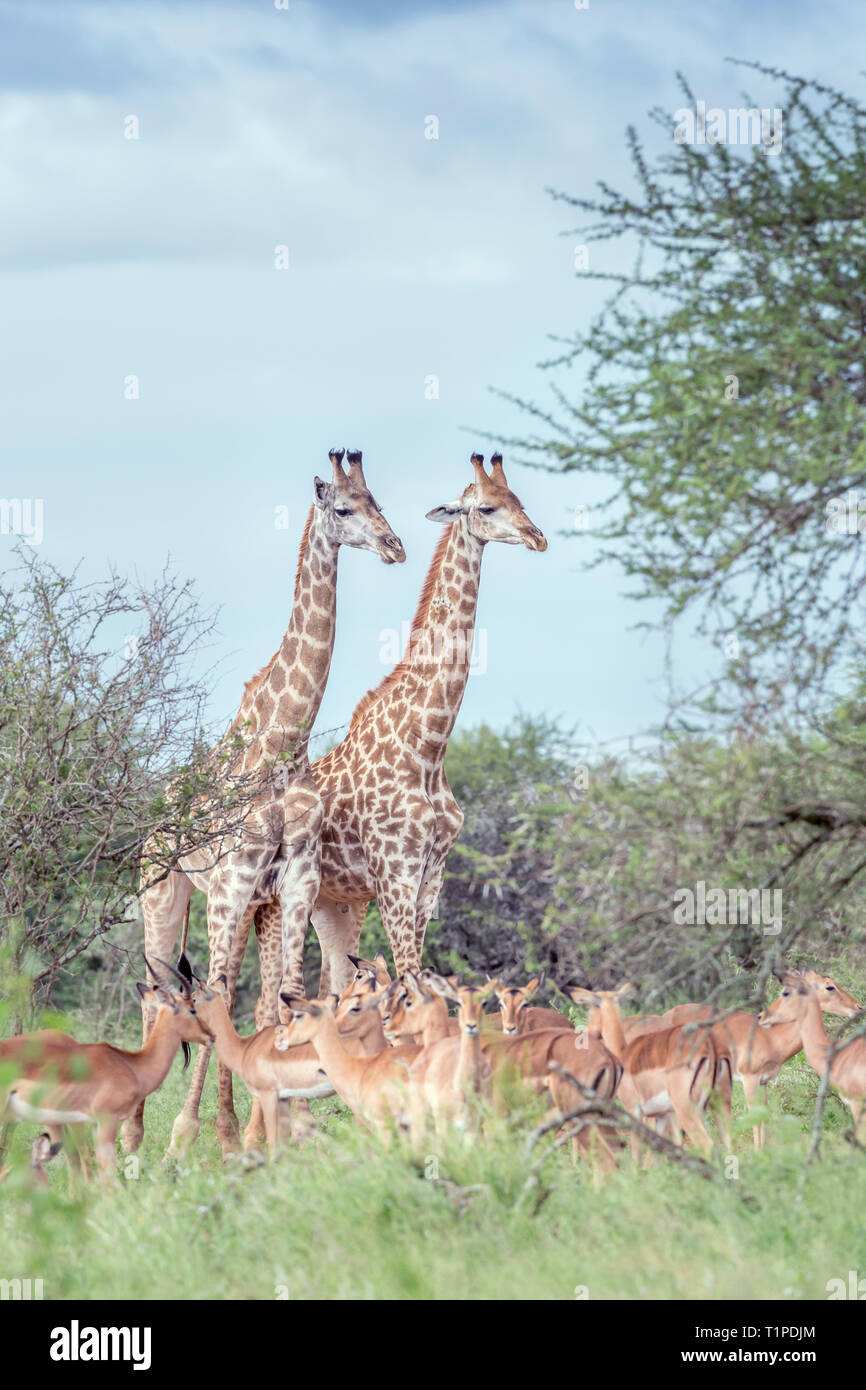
594 998
409 1006
831 996
598 1000
181 1005
491 509
376 969
468 998
351 514
792 1003
350 1009
513 998
308 1017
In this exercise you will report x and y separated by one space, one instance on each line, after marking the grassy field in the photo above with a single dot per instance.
343 1218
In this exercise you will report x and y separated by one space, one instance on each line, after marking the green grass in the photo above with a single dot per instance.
343 1218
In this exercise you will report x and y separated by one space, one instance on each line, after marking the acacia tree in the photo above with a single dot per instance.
102 750
725 398
725 403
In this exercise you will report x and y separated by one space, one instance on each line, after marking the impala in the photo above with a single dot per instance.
375 1088
800 1004
269 1068
56 1081
516 1015
668 1074
757 1055
451 1072
490 1058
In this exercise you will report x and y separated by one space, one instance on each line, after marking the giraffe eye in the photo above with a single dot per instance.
342 511
487 511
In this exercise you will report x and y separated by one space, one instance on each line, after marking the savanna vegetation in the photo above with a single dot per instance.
724 404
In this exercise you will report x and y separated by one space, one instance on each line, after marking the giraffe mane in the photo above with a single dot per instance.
421 613
252 685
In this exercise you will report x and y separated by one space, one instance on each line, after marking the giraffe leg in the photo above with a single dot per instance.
227 1127
397 899
449 821
298 891
230 888
163 907
431 885
338 927
269 938
184 1131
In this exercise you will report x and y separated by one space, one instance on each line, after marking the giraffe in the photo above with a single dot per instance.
277 854
390 815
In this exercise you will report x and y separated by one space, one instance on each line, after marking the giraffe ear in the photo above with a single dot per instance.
449 512
320 492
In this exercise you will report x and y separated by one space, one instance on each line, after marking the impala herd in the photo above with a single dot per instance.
401 1063
374 820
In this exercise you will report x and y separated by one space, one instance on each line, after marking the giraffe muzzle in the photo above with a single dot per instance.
392 551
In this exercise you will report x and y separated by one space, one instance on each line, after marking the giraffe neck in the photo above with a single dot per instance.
421 698
281 704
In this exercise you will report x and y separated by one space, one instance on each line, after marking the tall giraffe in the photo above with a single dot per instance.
390 815
277 854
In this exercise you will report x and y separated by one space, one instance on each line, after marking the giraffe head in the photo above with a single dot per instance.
491 509
350 513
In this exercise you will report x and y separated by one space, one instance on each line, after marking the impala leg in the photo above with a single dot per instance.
270 1115
723 1112
751 1086
78 1148
106 1152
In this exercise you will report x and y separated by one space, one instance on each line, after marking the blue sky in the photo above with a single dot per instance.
408 258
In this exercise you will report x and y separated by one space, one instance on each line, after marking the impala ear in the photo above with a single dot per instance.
444 987
532 986
583 996
332 1001
625 990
